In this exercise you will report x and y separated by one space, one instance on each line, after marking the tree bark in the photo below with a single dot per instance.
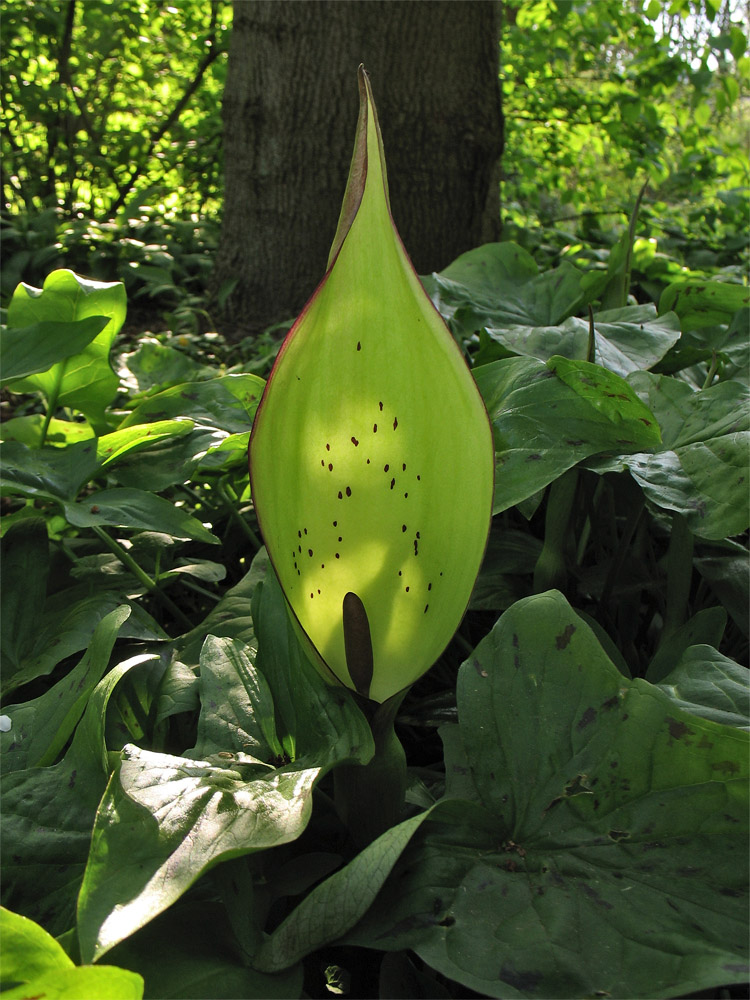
290 111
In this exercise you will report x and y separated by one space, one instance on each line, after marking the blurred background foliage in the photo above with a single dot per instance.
111 138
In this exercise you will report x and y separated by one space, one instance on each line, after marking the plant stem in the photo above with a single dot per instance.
550 570
679 575
239 519
129 563
370 798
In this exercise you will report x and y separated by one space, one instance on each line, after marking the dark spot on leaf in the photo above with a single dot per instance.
617 835
526 981
612 702
594 895
678 729
562 640
726 767
94 509
575 444
419 478
72 781
446 921
586 719
533 458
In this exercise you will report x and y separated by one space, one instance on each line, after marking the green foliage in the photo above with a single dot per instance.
170 752
599 97
98 96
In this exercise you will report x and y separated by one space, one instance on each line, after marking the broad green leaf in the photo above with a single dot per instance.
371 454
237 713
727 575
709 684
164 820
336 905
499 284
40 728
33 349
127 508
703 303
64 627
188 953
626 340
613 856
544 426
154 366
706 627
48 815
61 433
608 394
227 402
33 964
24 568
701 469
60 473
86 380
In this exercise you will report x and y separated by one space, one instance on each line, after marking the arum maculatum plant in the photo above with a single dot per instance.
372 459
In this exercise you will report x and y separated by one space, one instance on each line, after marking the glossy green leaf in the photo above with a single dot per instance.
40 728
33 964
703 303
544 426
127 508
371 455
86 380
34 349
48 815
227 402
499 284
709 684
164 820
626 340
701 469
609 853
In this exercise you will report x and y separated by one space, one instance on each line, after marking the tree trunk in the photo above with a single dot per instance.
290 112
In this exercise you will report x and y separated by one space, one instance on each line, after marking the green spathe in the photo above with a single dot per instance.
371 458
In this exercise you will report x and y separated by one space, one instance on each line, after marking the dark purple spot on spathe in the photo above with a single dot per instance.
310 552
359 346
355 442
395 423
341 495
425 608
348 491
374 428
562 640
380 405
393 483
403 527
386 467
330 466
